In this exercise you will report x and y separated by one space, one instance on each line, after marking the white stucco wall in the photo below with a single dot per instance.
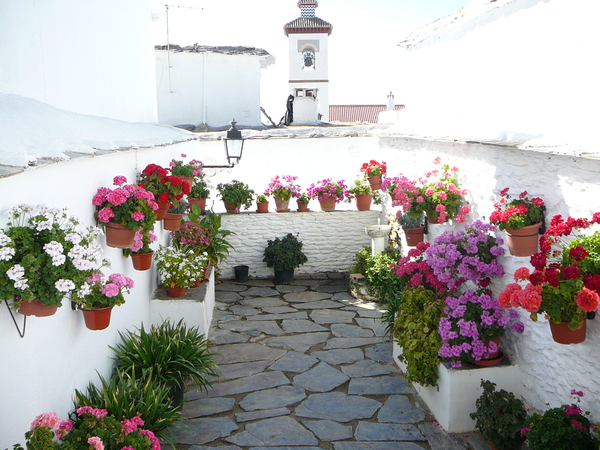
330 239
210 88
92 58
521 69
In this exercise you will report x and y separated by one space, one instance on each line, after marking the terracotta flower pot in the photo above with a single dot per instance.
281 205
142 261
176 291
302 207
232 208
327 204
262 207
201 202
162 210
562 334
172 221
414 235
119 236
375 182
36 308
363 202
523 241
98 318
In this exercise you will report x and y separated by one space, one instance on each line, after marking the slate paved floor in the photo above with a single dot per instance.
305 367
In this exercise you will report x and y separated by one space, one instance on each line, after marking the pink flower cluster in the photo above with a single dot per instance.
107 199
327 188
284 186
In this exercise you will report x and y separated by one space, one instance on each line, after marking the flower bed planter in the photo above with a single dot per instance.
454 398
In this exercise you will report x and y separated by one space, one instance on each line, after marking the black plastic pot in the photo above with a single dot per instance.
241 273
284 276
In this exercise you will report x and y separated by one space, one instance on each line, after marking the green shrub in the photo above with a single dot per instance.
360 261
415 330
284 254
381 280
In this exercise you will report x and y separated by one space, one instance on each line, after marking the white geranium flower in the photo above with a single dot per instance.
58 260
4 239
6 253
77 252
53 248
21 284
44 225
63 285
75 238
16 272
82 264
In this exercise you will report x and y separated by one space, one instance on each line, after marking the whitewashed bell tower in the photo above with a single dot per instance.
309 71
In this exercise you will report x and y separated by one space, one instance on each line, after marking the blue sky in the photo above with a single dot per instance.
363 46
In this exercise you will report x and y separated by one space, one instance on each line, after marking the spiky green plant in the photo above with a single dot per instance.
125 396
172 352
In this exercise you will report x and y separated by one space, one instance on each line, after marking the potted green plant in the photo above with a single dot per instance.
179 268
174 353
172 220
414 228
44 256
303 200
362 193
199 193
98 295
521 219
124 210
284 255
262 203
235 194
564 427
500 417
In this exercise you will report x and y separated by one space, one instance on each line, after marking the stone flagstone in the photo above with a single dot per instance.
236 353
321 304
261 414
306 296
258 326
244 310
226 337
298 342
398 409
301 326
380 353
201 431
252 383
321 378
294 362
206 407
227 297
378 446
379 385
350 342
371 431
273 398
263 302
296 315
239 370
376 325
337 406
340 356
326 316
349 331
203 447
260 291
327 430
367 368
278 431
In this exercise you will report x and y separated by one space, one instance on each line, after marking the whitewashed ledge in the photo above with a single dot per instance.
195 307
454 398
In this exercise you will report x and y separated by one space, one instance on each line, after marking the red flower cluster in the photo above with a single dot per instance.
373 168
416 271
165 187
518 212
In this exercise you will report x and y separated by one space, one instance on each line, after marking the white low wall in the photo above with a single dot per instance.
330 239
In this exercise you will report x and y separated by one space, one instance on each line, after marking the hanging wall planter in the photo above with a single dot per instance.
523 241
119 236
142 261
98 318
36 308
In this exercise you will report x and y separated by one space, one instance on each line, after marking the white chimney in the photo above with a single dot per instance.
390 103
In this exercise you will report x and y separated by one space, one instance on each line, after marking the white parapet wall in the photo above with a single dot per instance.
331 239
